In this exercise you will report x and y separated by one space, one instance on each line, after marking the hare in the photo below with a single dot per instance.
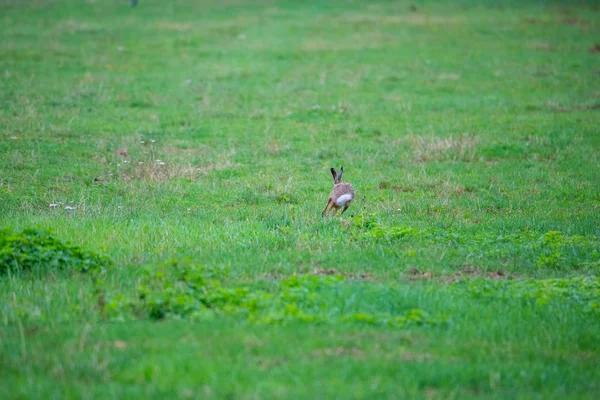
341 195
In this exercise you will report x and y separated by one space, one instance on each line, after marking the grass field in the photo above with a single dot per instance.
188 144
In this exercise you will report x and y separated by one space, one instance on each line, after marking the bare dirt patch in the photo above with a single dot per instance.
445 190
264 363
574 21
387 185
595 48
559 108
475 272
320 272
333 271
565 21
417 275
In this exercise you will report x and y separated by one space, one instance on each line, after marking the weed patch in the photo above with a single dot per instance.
38 251
552 250
368 227
184 289
581 290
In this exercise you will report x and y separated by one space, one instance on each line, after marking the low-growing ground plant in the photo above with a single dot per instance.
582 290
537 251
187 289
33 250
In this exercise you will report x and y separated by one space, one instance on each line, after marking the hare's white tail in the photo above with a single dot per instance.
343 199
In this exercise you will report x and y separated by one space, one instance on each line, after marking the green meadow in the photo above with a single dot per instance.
162 174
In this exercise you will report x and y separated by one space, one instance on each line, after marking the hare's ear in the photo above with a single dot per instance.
333 173
340 174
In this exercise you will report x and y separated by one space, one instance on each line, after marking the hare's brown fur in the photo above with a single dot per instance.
341 195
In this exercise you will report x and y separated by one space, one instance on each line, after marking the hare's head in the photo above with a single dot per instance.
337 177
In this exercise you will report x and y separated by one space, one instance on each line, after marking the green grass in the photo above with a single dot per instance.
468 129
